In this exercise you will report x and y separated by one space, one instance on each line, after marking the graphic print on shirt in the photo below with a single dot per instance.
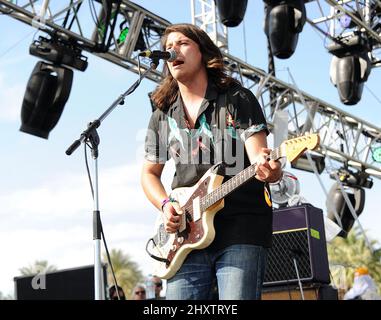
181 138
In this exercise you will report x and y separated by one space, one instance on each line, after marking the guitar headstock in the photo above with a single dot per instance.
295 147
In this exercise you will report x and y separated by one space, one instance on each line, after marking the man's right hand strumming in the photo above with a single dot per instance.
172 212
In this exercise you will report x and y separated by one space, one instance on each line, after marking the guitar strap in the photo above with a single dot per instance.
222 102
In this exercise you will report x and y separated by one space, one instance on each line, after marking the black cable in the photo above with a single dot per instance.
271 70
93 13
18 42
109 260
116 12
75 14
288 289
139 67
67 16
75 11
88 170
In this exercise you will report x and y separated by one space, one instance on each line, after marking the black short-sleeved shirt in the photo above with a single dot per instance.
225 120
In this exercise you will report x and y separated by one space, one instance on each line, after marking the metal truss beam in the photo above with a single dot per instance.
205 15
346 138
345 18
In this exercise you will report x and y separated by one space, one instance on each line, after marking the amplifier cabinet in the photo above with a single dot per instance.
68 284
298 241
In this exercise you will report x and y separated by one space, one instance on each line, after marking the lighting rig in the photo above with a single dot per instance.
350 187
49 85
284 21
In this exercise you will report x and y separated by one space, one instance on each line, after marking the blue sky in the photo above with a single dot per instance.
45 195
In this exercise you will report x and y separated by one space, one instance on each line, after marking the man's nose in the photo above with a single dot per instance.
176 47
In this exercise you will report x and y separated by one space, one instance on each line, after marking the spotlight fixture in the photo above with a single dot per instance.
231 12
49 85
376 154
302 163
356 197
353 184
124 31
59 51
284 21
46 94
350 66
359 179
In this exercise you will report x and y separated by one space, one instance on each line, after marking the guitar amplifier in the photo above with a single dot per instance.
68 284
298 245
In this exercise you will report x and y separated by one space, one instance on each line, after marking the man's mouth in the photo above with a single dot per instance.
177 63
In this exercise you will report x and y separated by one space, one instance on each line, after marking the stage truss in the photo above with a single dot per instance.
346 138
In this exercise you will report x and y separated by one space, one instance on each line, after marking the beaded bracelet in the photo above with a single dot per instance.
165 201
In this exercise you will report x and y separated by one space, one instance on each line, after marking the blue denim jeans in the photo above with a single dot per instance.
237 269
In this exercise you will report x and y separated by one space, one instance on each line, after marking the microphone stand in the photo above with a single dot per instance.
90 136
294 255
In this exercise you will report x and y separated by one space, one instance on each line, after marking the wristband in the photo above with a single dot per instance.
165 201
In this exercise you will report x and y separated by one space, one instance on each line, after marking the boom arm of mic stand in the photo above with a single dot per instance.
120 100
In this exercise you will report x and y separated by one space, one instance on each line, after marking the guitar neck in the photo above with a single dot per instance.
238 180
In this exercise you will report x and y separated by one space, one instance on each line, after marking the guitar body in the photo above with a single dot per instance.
200 204
196 228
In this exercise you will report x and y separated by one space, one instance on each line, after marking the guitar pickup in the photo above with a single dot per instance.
196 209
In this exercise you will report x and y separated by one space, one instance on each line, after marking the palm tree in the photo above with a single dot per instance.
127 272
39 266
353 252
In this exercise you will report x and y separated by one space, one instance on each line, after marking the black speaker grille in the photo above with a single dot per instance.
280 262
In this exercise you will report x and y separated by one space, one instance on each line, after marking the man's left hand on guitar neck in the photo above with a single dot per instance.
268 171
257 151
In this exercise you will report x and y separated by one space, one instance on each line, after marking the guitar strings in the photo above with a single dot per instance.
189 209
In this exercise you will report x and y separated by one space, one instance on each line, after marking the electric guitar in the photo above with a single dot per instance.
201 202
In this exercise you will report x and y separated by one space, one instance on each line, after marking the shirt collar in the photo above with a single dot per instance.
210 95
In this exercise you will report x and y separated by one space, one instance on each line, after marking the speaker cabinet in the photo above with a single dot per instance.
299 245
68 284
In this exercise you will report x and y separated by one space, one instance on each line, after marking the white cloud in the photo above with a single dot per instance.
54 222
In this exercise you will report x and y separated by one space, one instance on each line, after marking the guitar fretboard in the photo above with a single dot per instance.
229 186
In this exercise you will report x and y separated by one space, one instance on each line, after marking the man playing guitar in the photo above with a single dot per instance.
203 117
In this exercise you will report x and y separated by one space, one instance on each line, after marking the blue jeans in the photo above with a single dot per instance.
237 269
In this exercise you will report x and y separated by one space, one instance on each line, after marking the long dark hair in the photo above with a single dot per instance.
212 59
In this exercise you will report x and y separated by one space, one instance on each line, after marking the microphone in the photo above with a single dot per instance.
169 55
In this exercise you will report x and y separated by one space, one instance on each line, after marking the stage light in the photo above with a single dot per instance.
46 94
350 67
359 179
231 12
284 21
49 85
345 21
302 163
376 154
353 184
59 51
357 199
124 31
